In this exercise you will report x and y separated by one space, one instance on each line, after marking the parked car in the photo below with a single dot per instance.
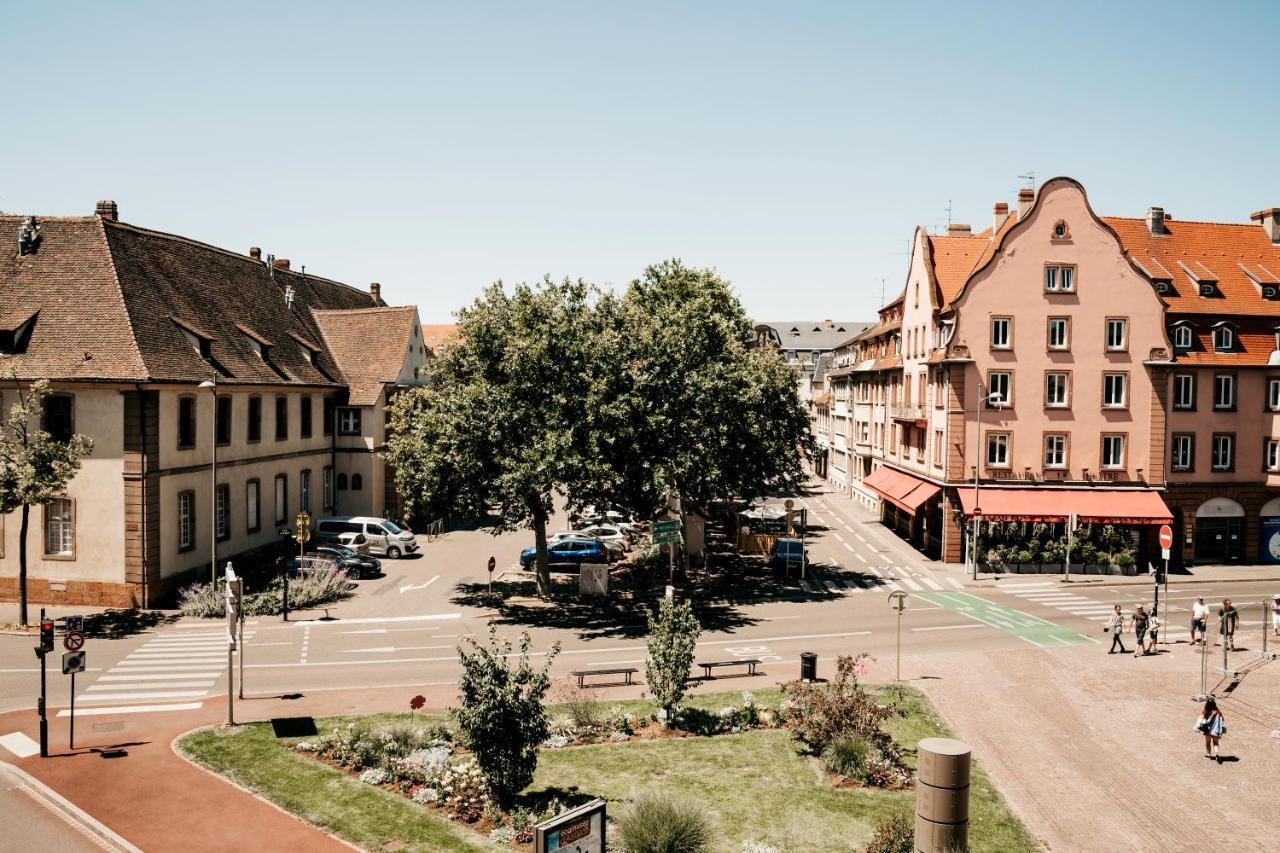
616 549
570 551
359 565
788 553
357 542
606 533
385 537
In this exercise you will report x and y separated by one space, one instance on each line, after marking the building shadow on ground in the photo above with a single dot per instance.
114 624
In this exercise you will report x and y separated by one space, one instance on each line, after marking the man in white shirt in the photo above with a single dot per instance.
1116 626
1199 613
1275 615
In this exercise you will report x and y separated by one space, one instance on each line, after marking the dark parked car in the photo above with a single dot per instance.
568 551
788 554
359 565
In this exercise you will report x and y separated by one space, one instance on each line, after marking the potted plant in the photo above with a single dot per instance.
1054 556
1125 563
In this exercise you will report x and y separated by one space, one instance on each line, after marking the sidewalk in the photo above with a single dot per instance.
1194 575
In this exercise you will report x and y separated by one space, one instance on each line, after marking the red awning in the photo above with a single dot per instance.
1099 506
900 489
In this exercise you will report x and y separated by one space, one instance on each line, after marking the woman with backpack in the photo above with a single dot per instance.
1213 727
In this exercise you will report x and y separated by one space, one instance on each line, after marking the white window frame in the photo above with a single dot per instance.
304 491
1055 450
1273 395
1182 452
1271 454
59 528
1109 381
997 444
349 421
1109 444
1006 325
1222 457
222 521
252 508
1117 342
280 490
186 521
1223 381
1224 339
1184 382
1006 380
1063 386
1050 279
1182 337
1067 279
1065 342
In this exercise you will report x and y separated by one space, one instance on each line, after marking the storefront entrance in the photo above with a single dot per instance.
1219 535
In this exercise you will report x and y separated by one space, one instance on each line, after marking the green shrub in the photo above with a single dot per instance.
660 823
1124 558
895 833
847 755
315 589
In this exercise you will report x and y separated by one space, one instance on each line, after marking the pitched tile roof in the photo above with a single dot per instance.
369 345
955 258
436 334
1255 340
114 301
1239 257
813 334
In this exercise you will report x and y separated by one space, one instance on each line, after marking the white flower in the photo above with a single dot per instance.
423 796
758 847
747 699
557 741
619 736
374 776
305 746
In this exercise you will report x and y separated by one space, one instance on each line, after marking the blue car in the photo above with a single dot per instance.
568 551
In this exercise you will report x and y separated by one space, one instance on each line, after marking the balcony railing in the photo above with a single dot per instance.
903 412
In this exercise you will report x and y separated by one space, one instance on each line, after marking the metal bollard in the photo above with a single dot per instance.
942 795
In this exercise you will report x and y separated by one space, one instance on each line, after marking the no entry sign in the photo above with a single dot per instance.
1166 536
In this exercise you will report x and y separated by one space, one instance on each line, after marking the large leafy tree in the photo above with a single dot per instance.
503 423
693 410
35 468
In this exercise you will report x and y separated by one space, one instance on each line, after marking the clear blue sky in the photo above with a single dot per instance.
793 146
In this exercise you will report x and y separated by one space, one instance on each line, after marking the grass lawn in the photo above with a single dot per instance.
757 786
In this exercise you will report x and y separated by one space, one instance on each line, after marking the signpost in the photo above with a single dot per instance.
898 601
1166 544
302 533
46 646
493 564
668 533
72 662
579 830
1073 522
234 594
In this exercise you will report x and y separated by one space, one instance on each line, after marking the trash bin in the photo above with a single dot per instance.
808 666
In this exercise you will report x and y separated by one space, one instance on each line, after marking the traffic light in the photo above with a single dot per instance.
46 635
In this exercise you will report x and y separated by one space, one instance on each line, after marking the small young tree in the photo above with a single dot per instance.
672 636
501 717
35 468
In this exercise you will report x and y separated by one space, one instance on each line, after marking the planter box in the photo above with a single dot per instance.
1095 569
1052 568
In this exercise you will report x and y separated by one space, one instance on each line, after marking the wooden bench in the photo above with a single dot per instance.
626 672
749 663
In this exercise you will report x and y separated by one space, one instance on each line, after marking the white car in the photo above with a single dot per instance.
608 534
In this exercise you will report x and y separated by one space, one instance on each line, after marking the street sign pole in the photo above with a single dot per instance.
71 738
1166 544
898 601
44 714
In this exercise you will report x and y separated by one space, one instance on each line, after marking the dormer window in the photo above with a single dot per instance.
14 340
1224 339
257 343
201 342
1182 338
1206 280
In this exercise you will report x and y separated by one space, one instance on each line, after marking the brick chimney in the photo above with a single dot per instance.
375 290
1026 198
955 229
107 210
1155 220
1270 220
255 253
282 263
1000 215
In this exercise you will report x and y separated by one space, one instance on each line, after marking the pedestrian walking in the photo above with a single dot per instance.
1228 617
1213 727
1140 620
1199 613
1153 630
1275 615
1116 626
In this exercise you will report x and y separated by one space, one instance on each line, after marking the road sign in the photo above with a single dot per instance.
72 662
664 538
74 623
1073 522
977 510
666 526
73 641
1166 539
493 564
898 600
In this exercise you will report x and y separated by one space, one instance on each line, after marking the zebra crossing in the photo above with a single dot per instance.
179 665
1052 594
893 578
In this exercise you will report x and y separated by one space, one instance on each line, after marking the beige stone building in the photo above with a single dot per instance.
127 323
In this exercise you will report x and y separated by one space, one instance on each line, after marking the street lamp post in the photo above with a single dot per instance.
993 400
213 484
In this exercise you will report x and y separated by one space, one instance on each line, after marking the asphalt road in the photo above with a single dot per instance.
402 629
31 821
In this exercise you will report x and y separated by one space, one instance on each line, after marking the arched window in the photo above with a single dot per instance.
357 482
342 482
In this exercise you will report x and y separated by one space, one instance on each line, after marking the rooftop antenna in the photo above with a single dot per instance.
881 291
948 214
271 267
1030 178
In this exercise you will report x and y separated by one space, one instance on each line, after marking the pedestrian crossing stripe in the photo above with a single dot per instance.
1032 629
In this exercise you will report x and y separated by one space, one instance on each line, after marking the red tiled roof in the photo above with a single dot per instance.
1255 340
436 334
369 345
1208 251
953 260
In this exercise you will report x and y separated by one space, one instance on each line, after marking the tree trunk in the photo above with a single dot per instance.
540 542
22 564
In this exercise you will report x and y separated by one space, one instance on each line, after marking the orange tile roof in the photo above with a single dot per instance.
1255 340
435 334
369 345
1207 251
953 260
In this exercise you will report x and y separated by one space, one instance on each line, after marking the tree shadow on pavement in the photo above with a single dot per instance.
114 624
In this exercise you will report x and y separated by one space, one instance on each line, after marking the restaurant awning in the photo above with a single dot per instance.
1093 506
902 490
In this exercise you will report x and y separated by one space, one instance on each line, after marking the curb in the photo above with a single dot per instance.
69 812
173 746
1143 581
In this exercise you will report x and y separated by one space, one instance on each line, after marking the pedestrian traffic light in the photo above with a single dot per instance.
46 635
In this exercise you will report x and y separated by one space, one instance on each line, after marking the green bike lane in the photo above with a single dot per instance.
1032 629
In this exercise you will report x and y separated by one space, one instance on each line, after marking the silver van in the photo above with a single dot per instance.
385 537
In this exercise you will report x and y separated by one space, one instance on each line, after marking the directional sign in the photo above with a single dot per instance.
73 641
666 526
898 600
73 623
72 662
1166 538
664 538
